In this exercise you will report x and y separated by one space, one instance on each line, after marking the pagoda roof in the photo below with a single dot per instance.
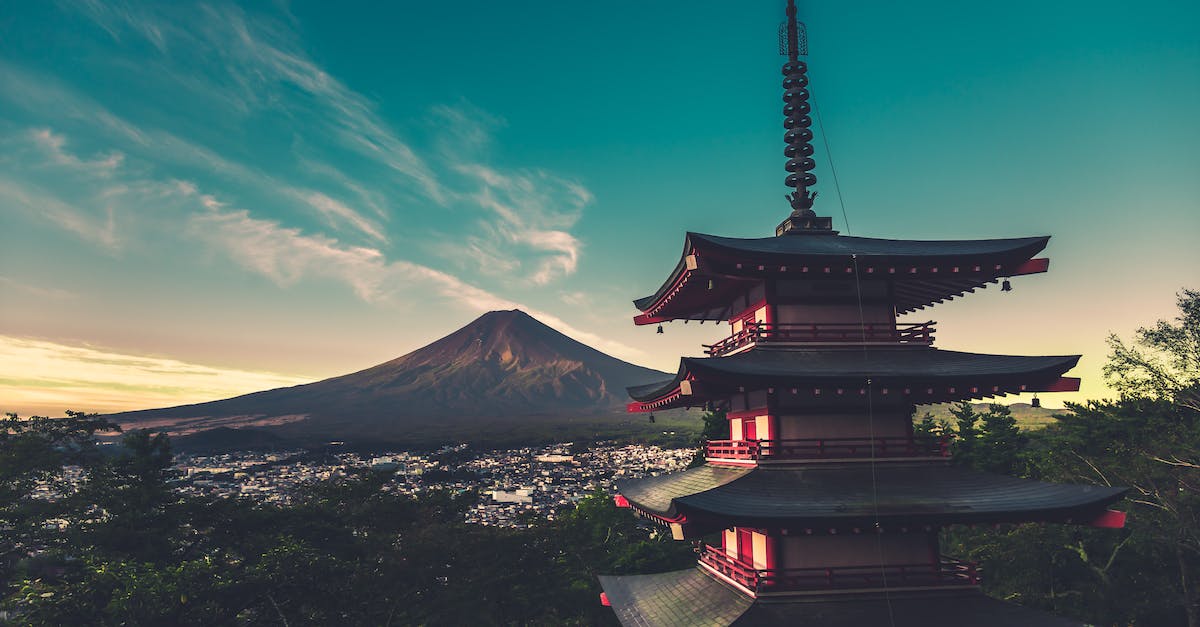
855 495
691 597
925 271
925 373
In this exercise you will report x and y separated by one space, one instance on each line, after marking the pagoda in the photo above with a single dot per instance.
827 506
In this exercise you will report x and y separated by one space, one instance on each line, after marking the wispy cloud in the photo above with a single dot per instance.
54 145
38 376
249 62
574 298
529 212
37 291
286 255
535 211
519 219
41 205
337 212
259 59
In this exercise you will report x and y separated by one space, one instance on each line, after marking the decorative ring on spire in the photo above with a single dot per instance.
799 133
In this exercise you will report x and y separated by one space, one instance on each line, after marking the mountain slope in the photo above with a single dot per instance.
503 368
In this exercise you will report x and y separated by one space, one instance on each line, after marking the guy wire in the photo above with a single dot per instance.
870 389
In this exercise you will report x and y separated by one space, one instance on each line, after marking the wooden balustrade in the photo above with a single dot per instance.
824 332
818 448
947 572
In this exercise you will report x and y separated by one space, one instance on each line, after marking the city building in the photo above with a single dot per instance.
827 506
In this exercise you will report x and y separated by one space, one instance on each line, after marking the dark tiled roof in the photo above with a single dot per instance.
795 250
680 598
656 494
845 245
958 609
763 366
854 495
690 597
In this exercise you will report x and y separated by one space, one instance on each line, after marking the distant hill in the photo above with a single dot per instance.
1026 415
505 375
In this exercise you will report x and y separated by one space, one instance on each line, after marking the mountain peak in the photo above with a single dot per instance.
504 314
505 367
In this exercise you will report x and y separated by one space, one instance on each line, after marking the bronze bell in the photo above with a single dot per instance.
660 329
1037 402
1006 286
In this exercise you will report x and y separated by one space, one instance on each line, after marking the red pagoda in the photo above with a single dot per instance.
827 506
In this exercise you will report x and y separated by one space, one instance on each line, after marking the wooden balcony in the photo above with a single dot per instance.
826 448
823 333
946 573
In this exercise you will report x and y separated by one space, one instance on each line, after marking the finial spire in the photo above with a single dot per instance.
791 36
793 41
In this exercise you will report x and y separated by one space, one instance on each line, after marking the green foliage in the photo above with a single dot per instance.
1000 441
966 433
1164 361
33 452
1144 574
716 427
929 427
346 552
990 441
1147 574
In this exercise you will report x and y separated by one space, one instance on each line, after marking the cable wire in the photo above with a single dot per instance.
862 322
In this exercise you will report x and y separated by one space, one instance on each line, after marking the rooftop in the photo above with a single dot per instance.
855 496
924 271
690 597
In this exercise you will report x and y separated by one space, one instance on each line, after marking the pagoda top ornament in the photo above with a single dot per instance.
793 42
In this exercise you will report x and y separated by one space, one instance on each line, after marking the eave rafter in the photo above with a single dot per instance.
824 395
707 277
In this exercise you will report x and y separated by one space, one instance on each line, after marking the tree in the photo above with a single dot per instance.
966 433
1149 440
33 452
716 427
1000 441
1158 378
1163 363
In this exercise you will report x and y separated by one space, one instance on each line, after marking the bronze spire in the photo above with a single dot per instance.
799 150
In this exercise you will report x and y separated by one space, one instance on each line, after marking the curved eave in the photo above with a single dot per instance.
689 597
922 375
712 270
852 496
655 496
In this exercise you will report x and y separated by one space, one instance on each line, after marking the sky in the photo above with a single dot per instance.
199 200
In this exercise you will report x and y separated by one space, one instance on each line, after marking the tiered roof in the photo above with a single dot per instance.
917 374
856 496
685 598
712 269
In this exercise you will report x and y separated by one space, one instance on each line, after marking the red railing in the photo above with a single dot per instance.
945 572
833 332
818 448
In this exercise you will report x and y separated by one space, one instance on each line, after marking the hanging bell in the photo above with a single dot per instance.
651 417
1037 402
1006 286
660 329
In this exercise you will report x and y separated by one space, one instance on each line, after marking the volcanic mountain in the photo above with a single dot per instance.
501 371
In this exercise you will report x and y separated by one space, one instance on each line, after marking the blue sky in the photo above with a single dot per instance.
206 199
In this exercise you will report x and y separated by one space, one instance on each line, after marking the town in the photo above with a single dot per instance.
515 486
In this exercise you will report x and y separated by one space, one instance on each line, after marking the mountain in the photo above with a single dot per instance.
503 372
